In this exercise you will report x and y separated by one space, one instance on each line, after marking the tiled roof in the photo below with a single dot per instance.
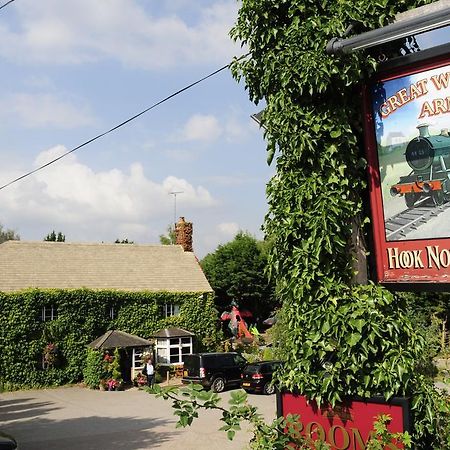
125 267
115 338
172 332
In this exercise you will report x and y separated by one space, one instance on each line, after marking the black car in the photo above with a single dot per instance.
257 377
213 370
7 442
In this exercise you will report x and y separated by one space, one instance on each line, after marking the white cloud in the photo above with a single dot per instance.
102 205
43 110
78 32
228 180
205 128
228 229
236 130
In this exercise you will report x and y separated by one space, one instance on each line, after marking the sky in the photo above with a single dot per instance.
72 70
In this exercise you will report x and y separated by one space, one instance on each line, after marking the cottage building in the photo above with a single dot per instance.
88 289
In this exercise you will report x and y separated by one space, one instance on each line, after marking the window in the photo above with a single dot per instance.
170 309
49 313
44 363
161 355
173 350
138 356
112 313
174 355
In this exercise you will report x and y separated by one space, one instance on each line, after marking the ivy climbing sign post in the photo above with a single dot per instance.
339 340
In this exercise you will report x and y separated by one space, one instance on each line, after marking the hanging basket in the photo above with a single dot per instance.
51 354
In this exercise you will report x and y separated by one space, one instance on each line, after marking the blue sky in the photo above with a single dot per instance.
71 70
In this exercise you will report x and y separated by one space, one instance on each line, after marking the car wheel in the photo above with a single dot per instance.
218 385
269 389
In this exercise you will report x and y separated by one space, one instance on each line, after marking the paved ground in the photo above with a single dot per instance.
76 418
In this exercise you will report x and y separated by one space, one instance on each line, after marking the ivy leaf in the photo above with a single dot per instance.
353 339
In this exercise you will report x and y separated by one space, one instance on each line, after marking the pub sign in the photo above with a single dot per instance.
347 426
408 151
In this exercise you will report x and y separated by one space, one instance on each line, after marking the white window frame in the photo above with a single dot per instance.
112 312
163 347
170 309
49 313
138 360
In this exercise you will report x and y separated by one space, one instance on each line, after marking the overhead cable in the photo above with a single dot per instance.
6 4
118 126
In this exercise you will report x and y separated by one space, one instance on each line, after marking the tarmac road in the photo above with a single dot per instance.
72 418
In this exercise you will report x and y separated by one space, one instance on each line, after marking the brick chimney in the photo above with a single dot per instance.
183 234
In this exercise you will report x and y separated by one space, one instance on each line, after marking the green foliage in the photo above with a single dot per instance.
429 312
282 433
115 366
236 271
123 241
382 437
337 340
8 235
169 238
53 237
82 316
356 341
95 368
431 416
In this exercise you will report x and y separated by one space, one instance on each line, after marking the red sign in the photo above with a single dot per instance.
408 150
347 426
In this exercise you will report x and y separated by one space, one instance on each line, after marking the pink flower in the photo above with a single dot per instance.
112 384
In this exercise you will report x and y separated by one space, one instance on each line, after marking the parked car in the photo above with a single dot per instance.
257 377
214 371
7 442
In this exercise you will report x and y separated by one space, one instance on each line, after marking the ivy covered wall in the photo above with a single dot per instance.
82 315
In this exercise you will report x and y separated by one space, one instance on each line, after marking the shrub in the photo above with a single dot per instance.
95 368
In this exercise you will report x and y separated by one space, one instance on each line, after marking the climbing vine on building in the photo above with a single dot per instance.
338 339
35 323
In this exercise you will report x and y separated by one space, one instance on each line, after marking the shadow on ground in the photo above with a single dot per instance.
25 420
24 408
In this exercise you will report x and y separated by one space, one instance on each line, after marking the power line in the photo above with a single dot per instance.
119 125
6 4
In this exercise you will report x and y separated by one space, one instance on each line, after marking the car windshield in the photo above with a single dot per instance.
191 362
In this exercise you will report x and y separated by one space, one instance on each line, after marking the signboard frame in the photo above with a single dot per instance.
342 421
402 263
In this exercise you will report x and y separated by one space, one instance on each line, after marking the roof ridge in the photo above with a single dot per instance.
106 244
105 337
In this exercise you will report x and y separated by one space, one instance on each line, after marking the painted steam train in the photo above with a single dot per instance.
429 158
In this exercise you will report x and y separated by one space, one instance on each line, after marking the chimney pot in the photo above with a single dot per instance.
183 234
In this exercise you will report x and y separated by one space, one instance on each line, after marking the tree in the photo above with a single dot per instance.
8 235
123 241
339 339
53 237
169 238
236 271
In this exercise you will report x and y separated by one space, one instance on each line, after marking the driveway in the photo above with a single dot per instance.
72 418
